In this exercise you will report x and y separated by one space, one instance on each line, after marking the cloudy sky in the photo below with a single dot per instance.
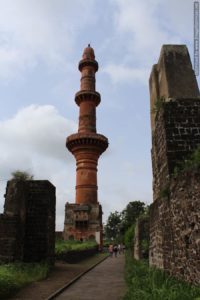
41 43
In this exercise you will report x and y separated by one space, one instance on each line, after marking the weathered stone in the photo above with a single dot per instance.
175 212
174 229
27 227
141 235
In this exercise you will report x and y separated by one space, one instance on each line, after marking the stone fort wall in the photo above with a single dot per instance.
175 120
175 229
27 226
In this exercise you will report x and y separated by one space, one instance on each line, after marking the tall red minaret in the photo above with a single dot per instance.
86 146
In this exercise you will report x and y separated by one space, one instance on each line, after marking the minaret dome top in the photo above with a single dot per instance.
88 53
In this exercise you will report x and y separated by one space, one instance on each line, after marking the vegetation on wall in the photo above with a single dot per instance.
191 163
158 104
21 175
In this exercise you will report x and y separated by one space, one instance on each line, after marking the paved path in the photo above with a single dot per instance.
104 282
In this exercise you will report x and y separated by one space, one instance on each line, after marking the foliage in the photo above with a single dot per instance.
129 236
21 175
112 228
192 163
146 283
158 104
16 275
118 223
165 192
130 214
64 246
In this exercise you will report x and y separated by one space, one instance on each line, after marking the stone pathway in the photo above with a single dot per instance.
104 282
61 275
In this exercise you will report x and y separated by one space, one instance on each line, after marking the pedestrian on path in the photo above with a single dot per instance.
110 249
115 249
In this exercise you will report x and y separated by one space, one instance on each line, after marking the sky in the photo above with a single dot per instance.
41 43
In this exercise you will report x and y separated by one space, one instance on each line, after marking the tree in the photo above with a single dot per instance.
21 175
130 214
112 228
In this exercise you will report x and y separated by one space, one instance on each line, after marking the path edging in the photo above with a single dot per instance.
60 290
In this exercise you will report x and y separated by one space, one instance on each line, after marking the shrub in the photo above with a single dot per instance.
129 236
64 246
145 283
16 275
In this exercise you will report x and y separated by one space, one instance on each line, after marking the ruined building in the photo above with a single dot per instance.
83 219
175 123
27 226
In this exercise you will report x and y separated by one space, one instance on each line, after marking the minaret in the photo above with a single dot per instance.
86 146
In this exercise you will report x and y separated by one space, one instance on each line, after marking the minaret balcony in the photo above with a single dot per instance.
87 140
87 95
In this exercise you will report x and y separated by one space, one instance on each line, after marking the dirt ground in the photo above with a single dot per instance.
62 274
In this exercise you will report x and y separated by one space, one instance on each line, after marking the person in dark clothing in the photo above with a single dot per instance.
115 249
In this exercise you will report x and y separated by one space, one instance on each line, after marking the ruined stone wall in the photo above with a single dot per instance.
175 229
141 236
11 242
175 137
175 120
83 222
27 227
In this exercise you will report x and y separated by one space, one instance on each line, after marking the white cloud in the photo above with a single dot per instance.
39 31
147 22
140 30
34 140
122 73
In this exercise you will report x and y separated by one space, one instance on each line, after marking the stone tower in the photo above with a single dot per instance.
175 212
83 220
174 97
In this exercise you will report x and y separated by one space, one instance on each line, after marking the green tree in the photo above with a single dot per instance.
112 227
130 214
21 175
129 236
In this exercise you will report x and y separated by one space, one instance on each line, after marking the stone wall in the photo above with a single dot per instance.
83 222
73 257
175 137
141 238
175 229
27 226
175 120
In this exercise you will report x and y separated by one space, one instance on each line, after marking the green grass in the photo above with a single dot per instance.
146 283
16 275
64 246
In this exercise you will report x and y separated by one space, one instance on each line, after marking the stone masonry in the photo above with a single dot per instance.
175 121
141 235
27 226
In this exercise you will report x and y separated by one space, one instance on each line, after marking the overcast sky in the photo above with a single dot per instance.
41 43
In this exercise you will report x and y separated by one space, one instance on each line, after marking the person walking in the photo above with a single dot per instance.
110 249
115 249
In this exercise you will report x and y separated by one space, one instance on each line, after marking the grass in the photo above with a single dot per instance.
146 283
64 246
16 275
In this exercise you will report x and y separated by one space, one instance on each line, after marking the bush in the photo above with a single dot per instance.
64 246
16 275
129 236
145 283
